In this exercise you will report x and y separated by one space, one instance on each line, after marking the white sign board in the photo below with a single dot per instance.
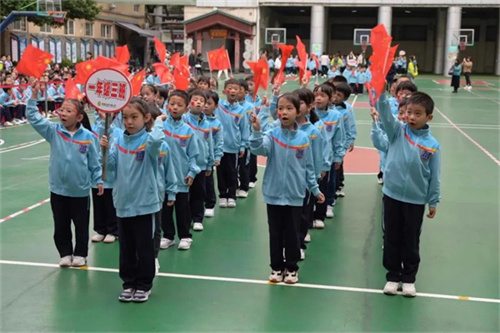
108 90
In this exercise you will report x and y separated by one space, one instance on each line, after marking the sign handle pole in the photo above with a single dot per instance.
46 100
105 150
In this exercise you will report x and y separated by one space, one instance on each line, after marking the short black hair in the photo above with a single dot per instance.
244 84
337 79
203 79
333 86
404 102
406 85
305 95
154 110
213 95
292 98
344 88
162 92
231 81
179 93
421 98
197 92
153 88
326 88
249 78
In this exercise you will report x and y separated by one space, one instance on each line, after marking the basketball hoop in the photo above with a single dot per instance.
462 46
274 43
58 16
364 45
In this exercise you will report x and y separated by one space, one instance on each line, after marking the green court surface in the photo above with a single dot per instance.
221 283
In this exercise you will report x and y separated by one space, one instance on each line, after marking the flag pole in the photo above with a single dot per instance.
209 67
230 67
105 150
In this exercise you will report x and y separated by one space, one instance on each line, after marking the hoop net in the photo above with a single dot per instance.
275 44
57 16
364 45
462 46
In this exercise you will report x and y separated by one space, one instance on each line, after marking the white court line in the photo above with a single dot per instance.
1 142
468 137
261 282
22 211
43 157
354 100
21 146
446 125
483 97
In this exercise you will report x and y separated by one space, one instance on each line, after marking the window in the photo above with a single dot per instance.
69 27
20 24
136 8
106 31
89 29
46 28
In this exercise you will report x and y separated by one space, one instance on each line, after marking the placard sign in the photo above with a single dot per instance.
108 90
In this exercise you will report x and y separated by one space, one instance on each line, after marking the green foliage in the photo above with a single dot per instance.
76 9
66 63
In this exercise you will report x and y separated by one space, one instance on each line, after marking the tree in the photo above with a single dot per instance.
76 9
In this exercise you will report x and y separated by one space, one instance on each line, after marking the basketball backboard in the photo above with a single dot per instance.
362 36
463 37
275 35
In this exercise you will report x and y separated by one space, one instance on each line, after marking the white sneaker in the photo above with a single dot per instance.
241 194
209 212
307 239
409 290
329 211
157 266
65 261
127 295
78 261
340 193
251 185
380 181
165 243
8 124
276 276
185 244
110 238
391 288
302 254
97 238
141 296
291 277
197 226
318 224
231 203
17 121
222 202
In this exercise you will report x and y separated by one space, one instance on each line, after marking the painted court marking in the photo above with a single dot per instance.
483 97
261 282
1 142
20 146
493 158
22 211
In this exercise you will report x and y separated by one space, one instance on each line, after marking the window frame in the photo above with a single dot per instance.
91 28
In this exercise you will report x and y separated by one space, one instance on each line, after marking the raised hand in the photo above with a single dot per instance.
255 123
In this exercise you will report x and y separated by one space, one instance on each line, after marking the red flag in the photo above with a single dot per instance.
260 74
175 60
218 59
301 49
72 91
180 82
381 58
122 54
137 81
286 50
307 77
160 49
83 70
163 73
102 62
34 62
315 58
184 66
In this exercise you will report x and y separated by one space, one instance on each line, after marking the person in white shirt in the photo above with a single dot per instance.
324 61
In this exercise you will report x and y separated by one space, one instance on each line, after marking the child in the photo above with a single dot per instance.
236 132
184 153
205 160
105 223
411 181
214 85
341 95
74 167
362 79
334 128
134 158
218 138
243 161
288 172
22 95
148 93
352 78
10 106
161 99
203 83
252 177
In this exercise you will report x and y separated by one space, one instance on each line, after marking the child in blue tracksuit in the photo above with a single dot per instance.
184 150
10 105
362 78
133 157
197 120
105 222
342 93
351 75
22 94
290 63
411 181
289 172
234 120
335 132
244 161
252 177
74 167
218 147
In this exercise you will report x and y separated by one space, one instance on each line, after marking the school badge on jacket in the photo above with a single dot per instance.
139 156
299 153
182 142
425 155
83 149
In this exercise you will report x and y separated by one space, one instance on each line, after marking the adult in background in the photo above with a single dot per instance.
199 62
412 68
456 71
467 69
324 61
192 62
